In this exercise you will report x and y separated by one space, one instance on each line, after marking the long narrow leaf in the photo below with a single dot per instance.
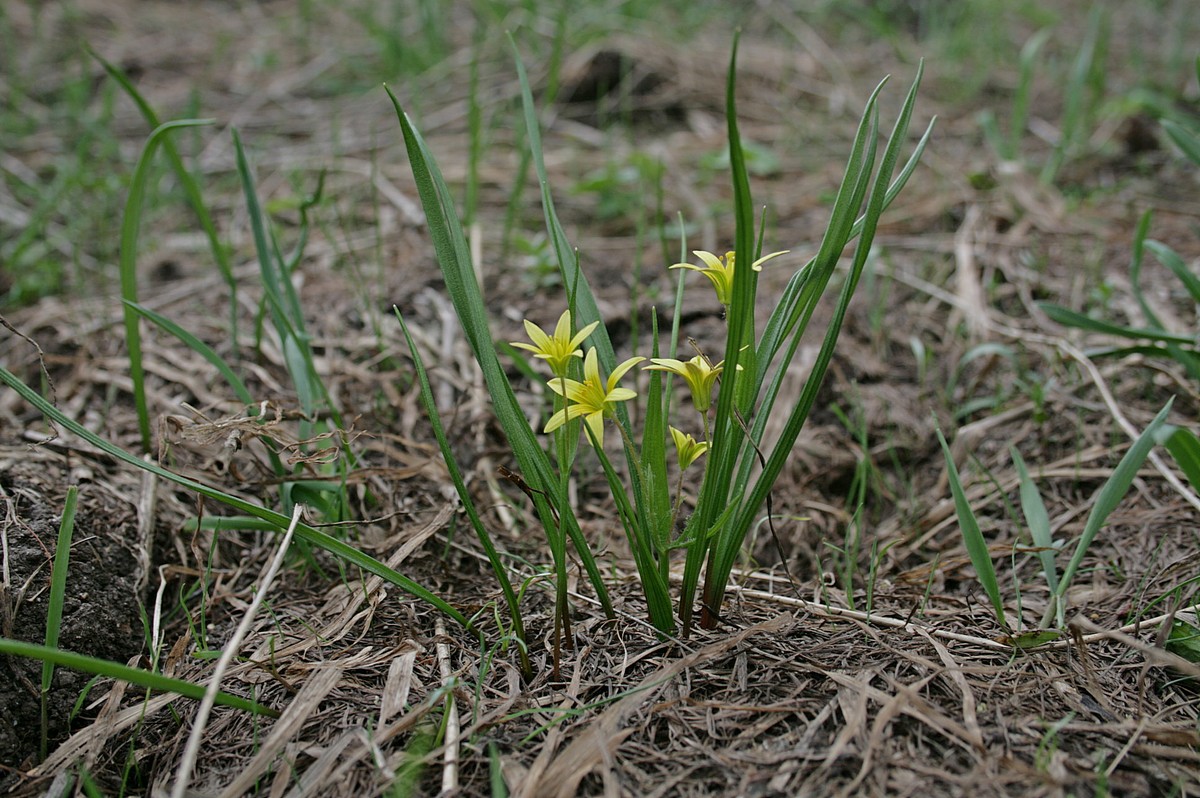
1135 269
977 548
454 259
115 670
205 351
279 520
1037 519
654 584
729 541
54 605
1184 446
130 223
584 308
737 388
1106 500
199 347
1186 140
1071 318
464 496
1110 495
1169 258
282 300
191 187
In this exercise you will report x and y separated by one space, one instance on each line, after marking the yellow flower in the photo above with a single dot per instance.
558 349
720 271
687 448
593 398
700 376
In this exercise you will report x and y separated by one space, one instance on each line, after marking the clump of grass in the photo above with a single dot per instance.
739 465
1103 503
1082 94
270 519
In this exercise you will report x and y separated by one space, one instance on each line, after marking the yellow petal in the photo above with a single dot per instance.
757 265
711 260
562 330
620 395
595 421
537 335
620 370
582 335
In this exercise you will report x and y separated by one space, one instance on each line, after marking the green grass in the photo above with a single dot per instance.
54 606
642 504
69 228
57 657
1103 503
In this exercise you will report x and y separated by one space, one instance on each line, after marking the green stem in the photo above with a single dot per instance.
562 610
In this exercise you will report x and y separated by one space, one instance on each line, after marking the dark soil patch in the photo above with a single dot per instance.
102 613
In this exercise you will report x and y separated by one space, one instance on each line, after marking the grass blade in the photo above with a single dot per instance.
973 539
1071 318
278 520
1187 141
1169 258
1038 521
464 496
191 187
130 223
281 298
1135 269
54 605
1109 496
199 347
115 670
584 309
1184 446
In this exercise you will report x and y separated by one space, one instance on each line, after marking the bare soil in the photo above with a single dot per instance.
898 682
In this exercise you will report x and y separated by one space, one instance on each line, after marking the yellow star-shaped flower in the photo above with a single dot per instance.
719 270
699 375
594 398
558 349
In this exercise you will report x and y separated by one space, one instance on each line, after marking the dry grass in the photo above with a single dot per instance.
796 695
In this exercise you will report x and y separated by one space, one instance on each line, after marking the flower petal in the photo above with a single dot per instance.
581 336
757 265
537 335
562 330
666 364
565 415
596 422
620 370
711 260
556 421
569 390
591 367
620 395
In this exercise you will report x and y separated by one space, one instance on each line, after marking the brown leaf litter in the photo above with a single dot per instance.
879 671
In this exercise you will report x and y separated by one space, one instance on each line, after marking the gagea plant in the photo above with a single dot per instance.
710 438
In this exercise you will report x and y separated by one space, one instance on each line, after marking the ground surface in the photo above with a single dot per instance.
881 670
